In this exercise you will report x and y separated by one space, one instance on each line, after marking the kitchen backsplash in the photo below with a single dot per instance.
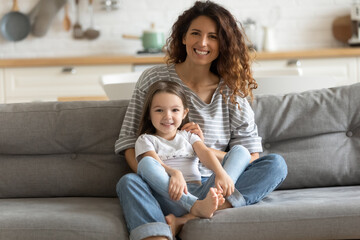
296 24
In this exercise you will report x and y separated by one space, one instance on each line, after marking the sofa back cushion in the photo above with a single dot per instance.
317 132
59 149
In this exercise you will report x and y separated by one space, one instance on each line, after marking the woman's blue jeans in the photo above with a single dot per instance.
144 214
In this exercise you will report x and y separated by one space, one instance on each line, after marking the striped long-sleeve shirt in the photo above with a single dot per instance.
221 122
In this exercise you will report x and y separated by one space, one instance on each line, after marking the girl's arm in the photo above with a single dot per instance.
177 184
195 128
218 153
209 159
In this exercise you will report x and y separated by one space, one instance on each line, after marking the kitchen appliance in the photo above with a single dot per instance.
153 40
341 28
355 21
78 33
15 26
43 14
91 33
254 34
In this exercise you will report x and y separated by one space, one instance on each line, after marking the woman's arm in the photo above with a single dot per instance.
130 159
254 156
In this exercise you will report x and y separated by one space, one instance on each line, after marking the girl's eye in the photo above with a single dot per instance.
176 110
158 110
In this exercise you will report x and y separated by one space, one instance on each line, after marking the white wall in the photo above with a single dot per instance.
304 24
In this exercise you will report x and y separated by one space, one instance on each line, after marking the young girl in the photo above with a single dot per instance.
169 157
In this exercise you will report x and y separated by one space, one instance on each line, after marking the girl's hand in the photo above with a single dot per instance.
193 128
224 183
177 185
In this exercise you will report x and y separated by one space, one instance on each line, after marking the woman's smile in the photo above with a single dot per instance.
201 52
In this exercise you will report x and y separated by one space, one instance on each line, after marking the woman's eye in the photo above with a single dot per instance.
213 36
158 110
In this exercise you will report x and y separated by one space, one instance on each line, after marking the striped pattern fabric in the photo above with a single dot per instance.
222 123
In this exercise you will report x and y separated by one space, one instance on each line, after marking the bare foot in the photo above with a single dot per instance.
206 208
225 205
176 223
220 197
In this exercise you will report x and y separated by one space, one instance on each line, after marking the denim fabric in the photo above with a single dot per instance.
260 178
141 207
158 179
234 163
142 212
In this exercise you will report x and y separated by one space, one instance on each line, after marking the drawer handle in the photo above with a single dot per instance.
294 63
68 70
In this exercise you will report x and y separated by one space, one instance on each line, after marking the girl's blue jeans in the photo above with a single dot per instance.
144 209
234 163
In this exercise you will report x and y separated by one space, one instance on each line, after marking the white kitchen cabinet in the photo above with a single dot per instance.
358 69
283 76
28 84
2 86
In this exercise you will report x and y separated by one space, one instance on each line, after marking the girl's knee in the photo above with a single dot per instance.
145 164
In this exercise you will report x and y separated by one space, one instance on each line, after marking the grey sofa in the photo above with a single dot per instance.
58 171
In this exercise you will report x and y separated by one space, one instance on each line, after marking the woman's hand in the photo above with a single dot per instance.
224 183
177 185
193 128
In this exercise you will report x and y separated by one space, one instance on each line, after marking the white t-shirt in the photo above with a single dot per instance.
177 153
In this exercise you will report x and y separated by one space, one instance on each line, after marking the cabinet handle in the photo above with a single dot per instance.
293 63
68 70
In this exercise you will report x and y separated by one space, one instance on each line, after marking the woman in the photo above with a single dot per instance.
208 57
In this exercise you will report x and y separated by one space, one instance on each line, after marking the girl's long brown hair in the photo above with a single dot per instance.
146 125
233 62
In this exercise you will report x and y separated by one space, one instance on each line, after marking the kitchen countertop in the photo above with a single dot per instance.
158 58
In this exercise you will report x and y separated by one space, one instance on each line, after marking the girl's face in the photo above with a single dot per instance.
201 40
166 114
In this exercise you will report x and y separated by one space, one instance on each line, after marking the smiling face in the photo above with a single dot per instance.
201 40
166 114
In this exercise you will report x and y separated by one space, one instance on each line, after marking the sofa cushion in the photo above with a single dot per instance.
62 218
317 132
313 213
57 149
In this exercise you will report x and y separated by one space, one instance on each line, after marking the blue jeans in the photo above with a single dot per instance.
234 163
143 213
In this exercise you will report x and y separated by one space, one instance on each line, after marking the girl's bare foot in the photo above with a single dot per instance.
206 208
220 197
176 223
225 205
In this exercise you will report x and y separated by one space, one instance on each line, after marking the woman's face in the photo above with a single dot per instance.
201 40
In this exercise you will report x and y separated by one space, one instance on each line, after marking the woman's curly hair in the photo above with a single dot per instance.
233 62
